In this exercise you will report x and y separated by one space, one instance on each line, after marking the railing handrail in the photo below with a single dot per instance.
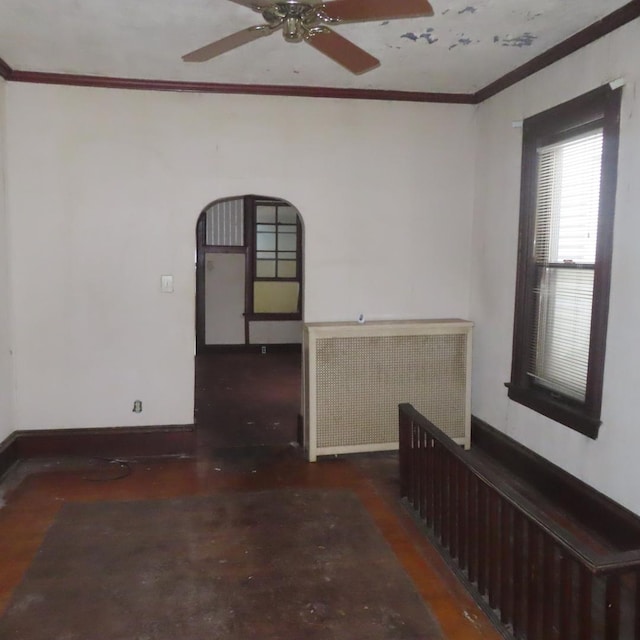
595 562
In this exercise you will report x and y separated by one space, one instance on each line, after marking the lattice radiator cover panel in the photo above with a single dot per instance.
355 382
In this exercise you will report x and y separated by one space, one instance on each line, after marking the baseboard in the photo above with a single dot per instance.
8 454
125 442
596 510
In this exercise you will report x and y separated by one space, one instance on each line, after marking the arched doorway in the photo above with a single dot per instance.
249 304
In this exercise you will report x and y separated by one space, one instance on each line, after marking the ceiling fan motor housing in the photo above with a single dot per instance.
297 19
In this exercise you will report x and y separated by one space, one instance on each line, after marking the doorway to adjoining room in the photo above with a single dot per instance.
249 302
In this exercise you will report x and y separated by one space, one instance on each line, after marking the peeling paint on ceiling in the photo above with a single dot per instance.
523 40
462 48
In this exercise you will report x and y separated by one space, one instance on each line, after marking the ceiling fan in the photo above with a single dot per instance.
308 20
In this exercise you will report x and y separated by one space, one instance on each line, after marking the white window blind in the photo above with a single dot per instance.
225 224
566 228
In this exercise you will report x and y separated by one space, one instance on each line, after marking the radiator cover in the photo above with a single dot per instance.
355 375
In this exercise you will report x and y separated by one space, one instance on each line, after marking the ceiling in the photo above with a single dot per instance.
464 47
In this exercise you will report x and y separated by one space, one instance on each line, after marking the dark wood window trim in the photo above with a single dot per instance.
600 107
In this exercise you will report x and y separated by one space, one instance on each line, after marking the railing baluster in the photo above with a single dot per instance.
612 608
533 594
423 472
437 490
409 459
549 591
444 499
565 607
402 453
416 466
494 556
519 598
463 514
454 499
585 605
472 496
483 524
506 564
430 482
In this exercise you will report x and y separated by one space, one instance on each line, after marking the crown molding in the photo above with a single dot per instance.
5 70
247 89
590 34
606 25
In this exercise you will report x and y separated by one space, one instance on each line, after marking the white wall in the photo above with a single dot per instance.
6 383
105 190
610 462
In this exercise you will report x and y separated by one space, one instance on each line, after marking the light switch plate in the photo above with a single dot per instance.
166 284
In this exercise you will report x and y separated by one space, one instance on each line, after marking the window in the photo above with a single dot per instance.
276 241
224 224
564 259
277 263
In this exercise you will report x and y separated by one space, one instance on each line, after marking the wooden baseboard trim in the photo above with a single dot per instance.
8 454
111 442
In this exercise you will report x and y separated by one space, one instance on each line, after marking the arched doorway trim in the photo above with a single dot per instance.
262 238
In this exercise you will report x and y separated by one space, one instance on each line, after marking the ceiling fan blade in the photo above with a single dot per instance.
362 10
247 3
226 44
342 51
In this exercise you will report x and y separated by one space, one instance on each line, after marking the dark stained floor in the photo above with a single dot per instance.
247 399
201 567
233 457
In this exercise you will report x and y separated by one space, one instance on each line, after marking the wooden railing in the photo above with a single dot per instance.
538 579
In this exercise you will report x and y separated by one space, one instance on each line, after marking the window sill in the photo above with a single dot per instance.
575 418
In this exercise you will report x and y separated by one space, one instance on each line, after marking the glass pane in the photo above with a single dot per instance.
287 241
560 348
266 241
287 255
266 255
275 297
265 268
266 228
287 268
287 214
266 213
568 200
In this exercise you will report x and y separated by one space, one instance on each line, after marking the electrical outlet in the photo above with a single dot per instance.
137 406
263 349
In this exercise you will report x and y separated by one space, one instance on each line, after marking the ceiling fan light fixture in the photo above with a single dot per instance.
292 29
